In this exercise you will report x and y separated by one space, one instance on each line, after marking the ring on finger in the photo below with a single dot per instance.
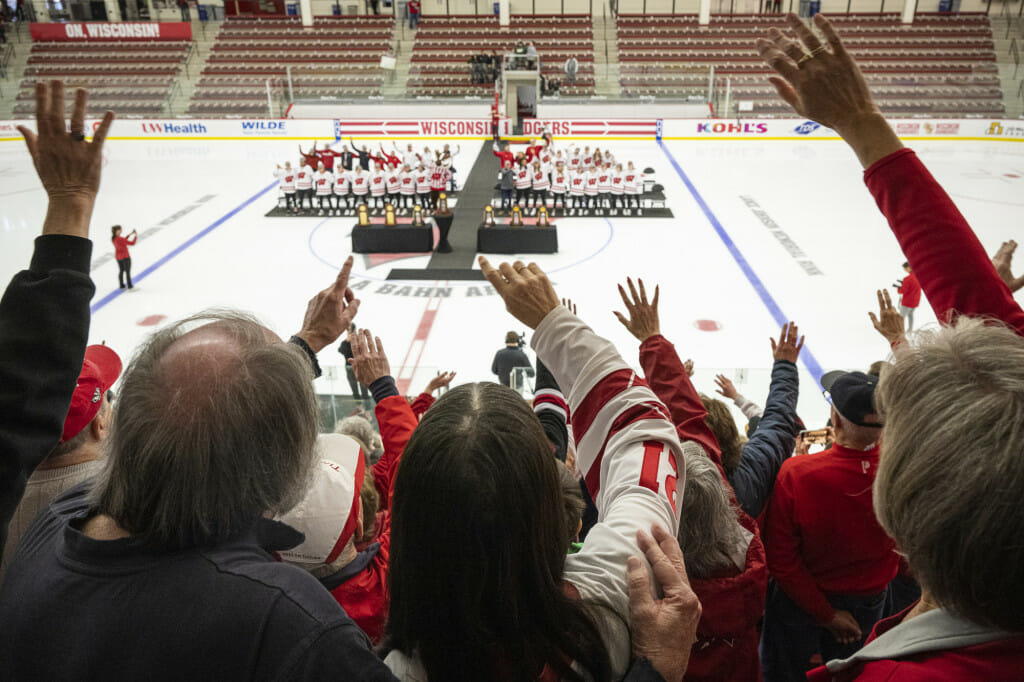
818 50
803 59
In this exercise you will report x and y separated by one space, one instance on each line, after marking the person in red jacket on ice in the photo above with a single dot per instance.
121 255
910 296
331 516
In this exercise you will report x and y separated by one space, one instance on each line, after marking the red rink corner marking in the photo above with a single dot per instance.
707 325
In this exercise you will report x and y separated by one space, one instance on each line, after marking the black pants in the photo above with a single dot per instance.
522 195
289 200
540 197
124 270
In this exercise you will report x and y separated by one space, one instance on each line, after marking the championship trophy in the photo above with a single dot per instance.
417 216
389 214
517 216
442 203
542 217
364 218
488 216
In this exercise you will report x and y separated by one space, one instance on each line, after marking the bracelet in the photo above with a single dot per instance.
301 343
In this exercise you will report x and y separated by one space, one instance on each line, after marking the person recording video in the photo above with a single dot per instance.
510 357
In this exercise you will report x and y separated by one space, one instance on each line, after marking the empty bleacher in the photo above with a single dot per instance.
336 57
444 45
944 65
132 78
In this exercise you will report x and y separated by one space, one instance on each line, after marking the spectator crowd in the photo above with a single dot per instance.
180 516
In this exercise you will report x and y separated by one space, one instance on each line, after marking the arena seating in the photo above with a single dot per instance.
335 58
943 64
443 46
133 78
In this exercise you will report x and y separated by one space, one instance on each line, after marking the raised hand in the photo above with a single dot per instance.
330 312
726 387
823 83
688 366
789 345
369 362
1002 260
68 166
889 322
440 381
526 290
664 630
643 321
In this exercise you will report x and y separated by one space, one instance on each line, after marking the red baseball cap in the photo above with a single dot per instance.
100 370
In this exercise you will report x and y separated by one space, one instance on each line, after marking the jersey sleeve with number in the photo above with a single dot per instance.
628 452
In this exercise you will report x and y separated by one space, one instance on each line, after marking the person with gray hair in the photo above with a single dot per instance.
168 551
725 557
360 428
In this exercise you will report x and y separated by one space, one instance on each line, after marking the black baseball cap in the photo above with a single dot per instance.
852 394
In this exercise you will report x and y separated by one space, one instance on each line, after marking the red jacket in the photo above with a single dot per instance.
421 404
821 533
993 661
910 292
363 594
955 273
505 157
121 245
727 636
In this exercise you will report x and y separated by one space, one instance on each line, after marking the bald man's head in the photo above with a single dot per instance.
215 425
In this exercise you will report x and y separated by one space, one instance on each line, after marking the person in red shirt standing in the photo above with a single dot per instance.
910 296
829 558
121 255
312 157
414 13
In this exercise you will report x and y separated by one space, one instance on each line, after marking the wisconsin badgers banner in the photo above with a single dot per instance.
103 30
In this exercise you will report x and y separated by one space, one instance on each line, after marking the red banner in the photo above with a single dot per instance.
109 31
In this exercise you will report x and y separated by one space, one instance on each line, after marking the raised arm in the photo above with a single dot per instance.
394 416
824 84
44 312
763 455
666 373
627 448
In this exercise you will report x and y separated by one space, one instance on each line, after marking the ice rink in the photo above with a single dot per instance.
764 232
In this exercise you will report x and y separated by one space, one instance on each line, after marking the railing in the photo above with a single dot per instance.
1015 53
5 59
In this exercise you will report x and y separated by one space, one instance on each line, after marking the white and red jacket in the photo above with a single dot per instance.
304 178
377 183
574 162
522 180
360 183
407 184
286 176
422 181
604 180
618 183
633 181
323 183
342 183
540 179
577 183
439 177
559 181
393 180
590 188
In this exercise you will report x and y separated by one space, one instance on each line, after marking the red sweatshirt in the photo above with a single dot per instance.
121 245
505 157
364 595
821 533
910 292
955 272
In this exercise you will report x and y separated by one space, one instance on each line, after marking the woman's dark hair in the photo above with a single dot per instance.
478 546
113 232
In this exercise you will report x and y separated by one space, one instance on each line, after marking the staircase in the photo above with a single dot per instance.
1007 31
606 53
203 35
15 52
402 40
